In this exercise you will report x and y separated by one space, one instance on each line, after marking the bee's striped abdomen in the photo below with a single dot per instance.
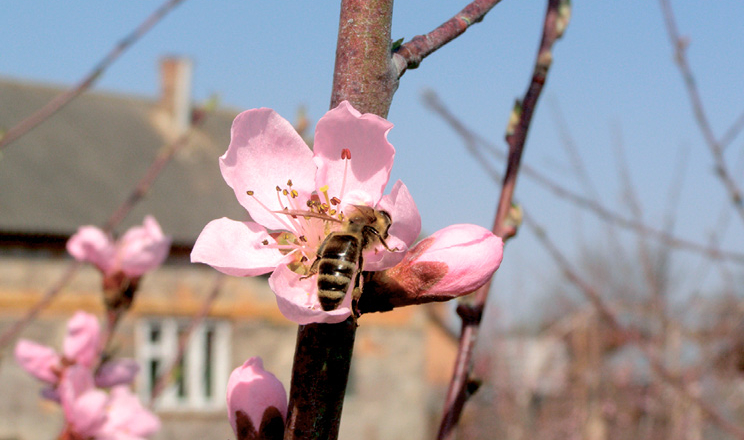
339 258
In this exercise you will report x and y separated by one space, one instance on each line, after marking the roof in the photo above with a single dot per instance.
78 166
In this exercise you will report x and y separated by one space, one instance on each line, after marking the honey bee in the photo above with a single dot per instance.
339 259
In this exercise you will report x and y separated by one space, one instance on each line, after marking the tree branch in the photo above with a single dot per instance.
556 19
410 54
87 82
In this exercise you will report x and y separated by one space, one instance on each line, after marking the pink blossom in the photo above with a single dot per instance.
271 169
452 262
81 346
141 249
93 413
471 254
256 401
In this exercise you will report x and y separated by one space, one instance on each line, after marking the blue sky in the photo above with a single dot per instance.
613 81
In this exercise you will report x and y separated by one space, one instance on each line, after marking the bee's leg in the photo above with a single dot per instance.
375 232
313 269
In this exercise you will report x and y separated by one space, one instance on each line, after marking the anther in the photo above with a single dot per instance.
335 201
289 183
346 154
294 193
303 239
278 189
285 192
249 192
265 242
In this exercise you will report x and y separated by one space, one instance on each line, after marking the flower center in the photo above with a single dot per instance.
306 227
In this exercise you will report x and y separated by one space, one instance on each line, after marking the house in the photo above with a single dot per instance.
75 169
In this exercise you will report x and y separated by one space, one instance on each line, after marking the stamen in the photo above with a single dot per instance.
346 168
278 217
324 191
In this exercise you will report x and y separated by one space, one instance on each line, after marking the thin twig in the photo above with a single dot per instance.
165 378
471 140
556 17
140 189
56 104
411 53
715 147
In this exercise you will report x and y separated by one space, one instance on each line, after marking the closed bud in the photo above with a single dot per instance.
256 402
453 262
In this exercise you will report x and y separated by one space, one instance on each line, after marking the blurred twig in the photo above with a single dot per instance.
461 385
471 140
714 145
66 97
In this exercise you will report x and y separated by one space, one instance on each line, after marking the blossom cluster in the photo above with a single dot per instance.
77 380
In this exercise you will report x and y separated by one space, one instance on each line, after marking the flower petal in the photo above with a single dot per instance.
403 231
92 245
365 136
265 152
142 248
236 248
127 416
38 360
298 299
83 339
252 390
84 405
116 372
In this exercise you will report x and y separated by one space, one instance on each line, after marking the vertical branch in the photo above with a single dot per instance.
364 76
461 385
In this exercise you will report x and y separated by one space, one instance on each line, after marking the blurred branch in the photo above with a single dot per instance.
56 104
716 148
631 335
140 190
472 140
166 377
461 386
409 55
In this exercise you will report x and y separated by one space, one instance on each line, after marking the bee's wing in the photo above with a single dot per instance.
361 212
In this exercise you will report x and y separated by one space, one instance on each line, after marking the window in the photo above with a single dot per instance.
200 378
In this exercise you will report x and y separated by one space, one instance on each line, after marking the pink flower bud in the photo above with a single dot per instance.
38 360
453 262
256 402
82 343
141 249
470 253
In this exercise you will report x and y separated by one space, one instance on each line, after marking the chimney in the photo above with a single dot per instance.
175 93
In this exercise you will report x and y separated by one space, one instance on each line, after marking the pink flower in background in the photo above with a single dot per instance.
93 413
141 249
81 346
270 169
256 402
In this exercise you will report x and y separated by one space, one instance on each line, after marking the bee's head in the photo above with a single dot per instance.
383 223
